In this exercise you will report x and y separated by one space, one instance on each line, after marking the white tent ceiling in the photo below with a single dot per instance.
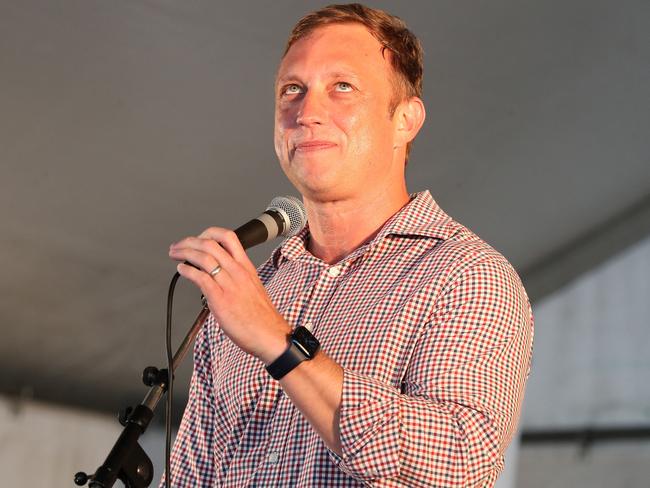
126 125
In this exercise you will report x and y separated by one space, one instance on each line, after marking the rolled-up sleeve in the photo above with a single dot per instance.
451 419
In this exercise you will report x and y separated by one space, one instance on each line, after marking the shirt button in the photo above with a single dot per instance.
309 326
273 457
334 271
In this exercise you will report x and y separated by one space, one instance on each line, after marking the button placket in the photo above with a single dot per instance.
268 463
334 271
324 287
272 458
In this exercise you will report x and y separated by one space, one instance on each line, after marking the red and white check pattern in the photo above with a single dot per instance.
434 331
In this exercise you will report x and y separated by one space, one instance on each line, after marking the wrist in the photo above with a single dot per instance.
276 346
302 346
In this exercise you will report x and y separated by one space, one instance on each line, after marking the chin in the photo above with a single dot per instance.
323 192
314 179
313 163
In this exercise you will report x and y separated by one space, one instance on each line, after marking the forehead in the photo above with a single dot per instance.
347 46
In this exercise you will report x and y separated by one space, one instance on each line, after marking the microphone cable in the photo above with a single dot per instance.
292 217
170 380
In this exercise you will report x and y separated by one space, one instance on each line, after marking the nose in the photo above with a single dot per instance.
312 110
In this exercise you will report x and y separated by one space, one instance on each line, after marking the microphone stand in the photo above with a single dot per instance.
127 460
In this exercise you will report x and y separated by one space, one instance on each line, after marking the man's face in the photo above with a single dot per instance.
334 135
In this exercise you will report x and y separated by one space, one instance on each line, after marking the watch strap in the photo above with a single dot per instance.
289 359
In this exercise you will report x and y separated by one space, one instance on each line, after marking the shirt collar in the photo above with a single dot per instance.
422 217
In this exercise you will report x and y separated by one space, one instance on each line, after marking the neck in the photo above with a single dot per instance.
340 226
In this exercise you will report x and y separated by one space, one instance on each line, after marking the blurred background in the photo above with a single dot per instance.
126 125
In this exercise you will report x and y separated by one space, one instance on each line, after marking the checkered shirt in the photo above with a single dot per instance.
433 330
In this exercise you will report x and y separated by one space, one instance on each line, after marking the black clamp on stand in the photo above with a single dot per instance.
127 461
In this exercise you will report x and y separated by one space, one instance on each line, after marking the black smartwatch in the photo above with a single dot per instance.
303 346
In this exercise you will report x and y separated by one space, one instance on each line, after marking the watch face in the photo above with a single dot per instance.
307 343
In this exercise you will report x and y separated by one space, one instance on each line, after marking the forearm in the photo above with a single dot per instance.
379 432
315 389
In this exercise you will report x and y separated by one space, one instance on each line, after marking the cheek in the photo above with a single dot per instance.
279 138
282 126
366 134
277 141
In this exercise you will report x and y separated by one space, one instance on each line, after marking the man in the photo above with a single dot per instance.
425 330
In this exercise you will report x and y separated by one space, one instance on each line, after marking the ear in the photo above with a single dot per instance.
409 117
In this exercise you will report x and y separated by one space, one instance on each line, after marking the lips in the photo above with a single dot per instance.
313 145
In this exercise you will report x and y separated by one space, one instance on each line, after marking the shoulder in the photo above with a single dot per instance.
460 260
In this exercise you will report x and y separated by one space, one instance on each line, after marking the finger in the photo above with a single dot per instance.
229 240
207 246
200 259
200 243
207 263
208 286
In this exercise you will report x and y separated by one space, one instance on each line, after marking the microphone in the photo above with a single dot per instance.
284 216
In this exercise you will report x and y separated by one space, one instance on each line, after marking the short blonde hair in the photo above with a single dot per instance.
406 51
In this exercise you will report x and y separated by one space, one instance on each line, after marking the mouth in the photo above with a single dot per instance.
314 145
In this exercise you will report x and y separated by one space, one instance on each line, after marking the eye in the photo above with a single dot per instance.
343 86
292 89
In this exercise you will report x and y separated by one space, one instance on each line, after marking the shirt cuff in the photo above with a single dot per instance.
370 428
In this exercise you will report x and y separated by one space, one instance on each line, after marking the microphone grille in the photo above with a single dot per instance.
294 212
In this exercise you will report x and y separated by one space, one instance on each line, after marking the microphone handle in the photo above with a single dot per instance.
267 226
